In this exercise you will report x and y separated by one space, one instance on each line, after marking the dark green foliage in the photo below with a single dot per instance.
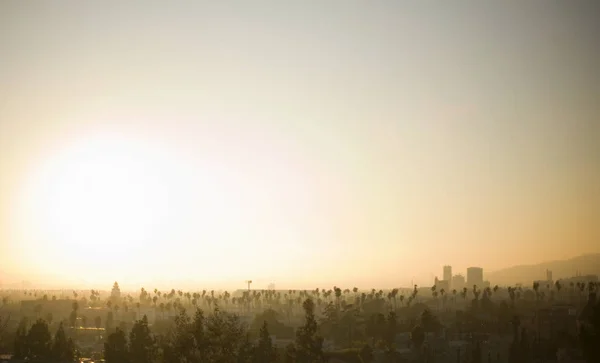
21 347
109 323
220 337
182 347
115 348
276 327
63 349
224 336
590 332
417 337
476 354
37 343
73 318
39 340
309 345
376 327
520 347
246 351
290 353
265 351
142 345
390 331
430 322
366 354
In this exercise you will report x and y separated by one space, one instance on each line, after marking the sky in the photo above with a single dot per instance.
305 144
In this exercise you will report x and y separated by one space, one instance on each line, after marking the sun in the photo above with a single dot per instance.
112 207
102 197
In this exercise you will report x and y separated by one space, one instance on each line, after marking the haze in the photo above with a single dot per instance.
305 144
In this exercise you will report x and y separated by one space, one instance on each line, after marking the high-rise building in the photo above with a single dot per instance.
458 282
448 273
475 276
549 276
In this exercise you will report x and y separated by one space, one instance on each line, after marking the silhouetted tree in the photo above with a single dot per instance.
290 353
115 293
265 351
309 345
390 333
417 337
109 322
39 340
246 350
115 348
21 347
366 354
49 318
142 345
63 349
224 335
590 330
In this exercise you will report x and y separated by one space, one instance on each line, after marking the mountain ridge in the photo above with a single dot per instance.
587 264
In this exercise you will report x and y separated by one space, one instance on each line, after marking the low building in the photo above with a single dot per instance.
442 284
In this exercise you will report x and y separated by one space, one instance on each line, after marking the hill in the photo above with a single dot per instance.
526 274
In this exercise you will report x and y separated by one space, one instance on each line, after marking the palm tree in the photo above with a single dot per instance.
443 294
558 287
161 308
536 287
394 294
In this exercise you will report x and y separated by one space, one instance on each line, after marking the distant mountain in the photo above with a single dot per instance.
526 274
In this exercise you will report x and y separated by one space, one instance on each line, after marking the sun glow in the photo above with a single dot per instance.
108 198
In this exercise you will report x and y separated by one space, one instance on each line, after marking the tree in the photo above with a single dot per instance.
73 315
245 353
62 349
49 318
142 345
115 348
309 345
182 347
590 332
265 351
21 348
73 318
417 337
290 353
38 340
366 354
224 336
390 333
429 322
109 322
115 293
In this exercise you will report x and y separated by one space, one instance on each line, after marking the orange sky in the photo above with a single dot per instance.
349 144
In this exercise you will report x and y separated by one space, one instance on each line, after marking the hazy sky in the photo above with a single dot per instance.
305 143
